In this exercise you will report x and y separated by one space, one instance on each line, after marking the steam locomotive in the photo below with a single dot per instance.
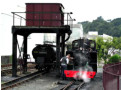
85 59
83 51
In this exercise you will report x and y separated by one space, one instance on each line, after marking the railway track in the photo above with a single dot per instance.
79 86
20 80
10 65
6 65
68 86
7 69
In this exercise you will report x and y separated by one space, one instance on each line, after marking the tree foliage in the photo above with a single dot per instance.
103 47
110 27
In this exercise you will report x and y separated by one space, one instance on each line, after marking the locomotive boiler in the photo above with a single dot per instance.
44 56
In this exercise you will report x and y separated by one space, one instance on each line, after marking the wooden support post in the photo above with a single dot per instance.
58 50
25 55
63 44
14 56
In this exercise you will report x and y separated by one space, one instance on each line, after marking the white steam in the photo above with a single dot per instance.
82 74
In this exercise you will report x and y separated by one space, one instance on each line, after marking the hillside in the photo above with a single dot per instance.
110 27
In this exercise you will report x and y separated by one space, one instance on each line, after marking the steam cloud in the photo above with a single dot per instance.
83 68
82 74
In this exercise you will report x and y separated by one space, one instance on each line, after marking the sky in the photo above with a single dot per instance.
83 10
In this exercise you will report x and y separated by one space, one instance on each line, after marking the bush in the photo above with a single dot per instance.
115 58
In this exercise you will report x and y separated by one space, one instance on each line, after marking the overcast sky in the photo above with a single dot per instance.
83 10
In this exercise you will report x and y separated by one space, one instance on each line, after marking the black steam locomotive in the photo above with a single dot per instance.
84 52
85 59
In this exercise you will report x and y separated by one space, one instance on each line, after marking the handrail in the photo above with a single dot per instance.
113 65
104 69
19 15
108 75
69 18
111 73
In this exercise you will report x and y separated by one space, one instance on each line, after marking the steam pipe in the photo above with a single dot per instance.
69 33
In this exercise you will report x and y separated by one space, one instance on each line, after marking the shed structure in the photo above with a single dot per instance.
40 18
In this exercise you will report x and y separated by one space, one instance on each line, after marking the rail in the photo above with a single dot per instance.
112 76
7 68
20 18
68 85
20 80
73 83
79 86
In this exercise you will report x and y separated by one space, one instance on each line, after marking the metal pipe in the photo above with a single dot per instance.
67 18
20 21
13 19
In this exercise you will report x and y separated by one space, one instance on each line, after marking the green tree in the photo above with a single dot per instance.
100 47
103 47
116 43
